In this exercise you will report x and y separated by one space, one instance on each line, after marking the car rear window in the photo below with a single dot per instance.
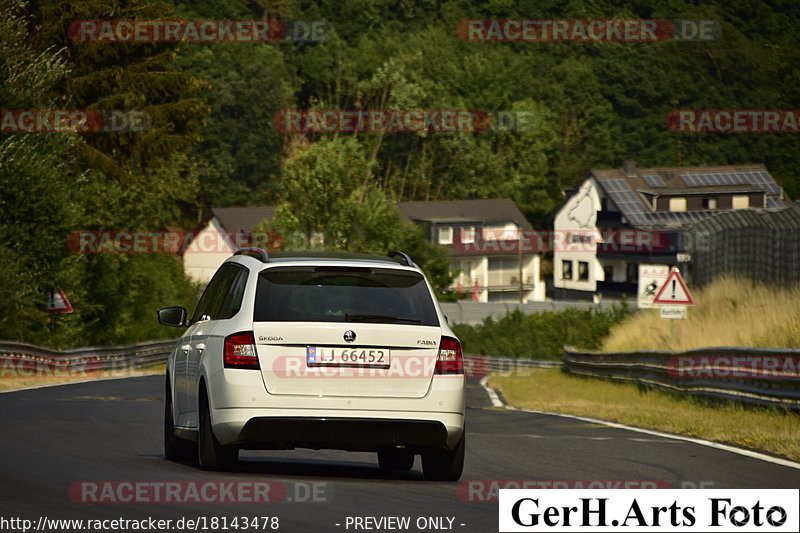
343 294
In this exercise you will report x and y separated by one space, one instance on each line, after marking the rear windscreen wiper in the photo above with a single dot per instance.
380 318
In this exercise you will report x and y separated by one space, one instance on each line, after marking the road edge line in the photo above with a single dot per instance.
493 396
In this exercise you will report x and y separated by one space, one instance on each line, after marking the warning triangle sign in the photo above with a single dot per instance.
57 302
674 291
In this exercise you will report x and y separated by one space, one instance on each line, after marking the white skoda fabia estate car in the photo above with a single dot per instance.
321 351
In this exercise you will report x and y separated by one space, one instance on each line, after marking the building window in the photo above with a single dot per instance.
632 272
446 235
608 273
566 269
583 271
677 204
508 232
741 201
468 235
709 203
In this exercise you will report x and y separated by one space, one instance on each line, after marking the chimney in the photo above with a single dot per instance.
629 168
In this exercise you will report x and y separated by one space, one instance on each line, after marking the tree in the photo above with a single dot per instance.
36 185
329 204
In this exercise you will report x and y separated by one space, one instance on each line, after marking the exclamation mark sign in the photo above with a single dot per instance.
673 289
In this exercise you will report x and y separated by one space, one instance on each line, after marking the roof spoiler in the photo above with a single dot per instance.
252 251
402 255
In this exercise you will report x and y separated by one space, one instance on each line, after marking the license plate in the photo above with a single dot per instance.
347 356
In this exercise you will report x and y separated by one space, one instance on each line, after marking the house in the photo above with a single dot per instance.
228 228
487 247
618 219
485 240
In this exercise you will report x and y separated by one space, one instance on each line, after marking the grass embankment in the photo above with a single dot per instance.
551 390
729 312
9 382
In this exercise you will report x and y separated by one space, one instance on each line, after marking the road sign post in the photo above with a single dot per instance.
57 303
673 297
651 279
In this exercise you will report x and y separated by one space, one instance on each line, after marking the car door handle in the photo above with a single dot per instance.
200 347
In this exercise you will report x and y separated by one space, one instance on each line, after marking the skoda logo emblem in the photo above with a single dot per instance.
349 335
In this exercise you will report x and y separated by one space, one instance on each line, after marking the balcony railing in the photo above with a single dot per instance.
497 282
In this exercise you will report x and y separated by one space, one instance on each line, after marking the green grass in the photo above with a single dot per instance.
551 390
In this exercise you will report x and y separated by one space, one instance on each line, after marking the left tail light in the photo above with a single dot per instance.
450 359
240 351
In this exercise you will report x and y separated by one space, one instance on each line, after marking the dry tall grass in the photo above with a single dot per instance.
15 382
729 312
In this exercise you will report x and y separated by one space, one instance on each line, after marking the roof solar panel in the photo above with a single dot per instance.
774 202
654 180
625 199
691 180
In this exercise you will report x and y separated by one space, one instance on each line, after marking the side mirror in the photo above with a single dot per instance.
173 316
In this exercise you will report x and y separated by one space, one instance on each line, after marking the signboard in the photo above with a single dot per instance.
674 291
57 302
651 278
673 312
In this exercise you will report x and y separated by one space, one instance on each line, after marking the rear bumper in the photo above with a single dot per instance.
282 429
354 434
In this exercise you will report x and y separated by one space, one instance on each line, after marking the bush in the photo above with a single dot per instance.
539 335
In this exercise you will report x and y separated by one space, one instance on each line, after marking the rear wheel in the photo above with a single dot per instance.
395 459
175 448
210 453
444 465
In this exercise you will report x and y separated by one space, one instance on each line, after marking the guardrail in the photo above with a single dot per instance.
752 375
481 365
20 359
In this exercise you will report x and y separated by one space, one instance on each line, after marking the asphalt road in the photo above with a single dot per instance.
54 438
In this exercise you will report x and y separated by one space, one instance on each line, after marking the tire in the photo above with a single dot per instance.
210 453
444 465
175 448
395 459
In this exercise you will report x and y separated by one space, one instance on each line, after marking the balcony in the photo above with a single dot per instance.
498 281
617 288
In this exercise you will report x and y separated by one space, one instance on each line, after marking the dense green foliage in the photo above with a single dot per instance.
539 335
213 142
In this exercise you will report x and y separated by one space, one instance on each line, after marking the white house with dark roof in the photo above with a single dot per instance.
217 240
487 246
483 239
617 219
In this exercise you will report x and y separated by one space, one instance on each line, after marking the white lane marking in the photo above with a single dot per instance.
77 382
719 446
495 399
